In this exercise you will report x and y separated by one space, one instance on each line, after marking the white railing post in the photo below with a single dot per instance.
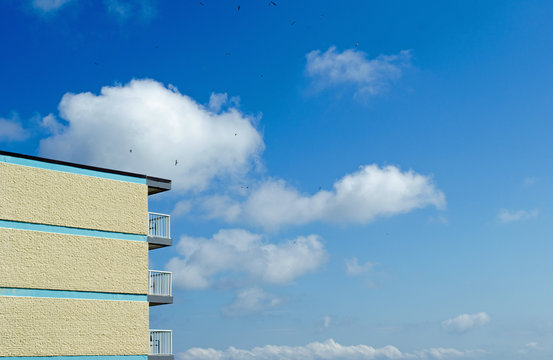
159 225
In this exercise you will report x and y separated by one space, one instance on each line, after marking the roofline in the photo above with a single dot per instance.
87 167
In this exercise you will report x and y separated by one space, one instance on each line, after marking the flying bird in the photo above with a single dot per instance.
201 3
357 44
130 150
238 7
176 162
293 23
272 3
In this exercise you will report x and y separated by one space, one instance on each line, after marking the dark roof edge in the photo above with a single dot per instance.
81 166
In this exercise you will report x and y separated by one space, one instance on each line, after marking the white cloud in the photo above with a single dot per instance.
216 101
49 5
354 269
251 301
327 350
356 198
170 135
369 76
327 320
529 348
507 216
12 130
465 322
238 252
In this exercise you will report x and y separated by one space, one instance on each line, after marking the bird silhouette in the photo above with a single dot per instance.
176 162
293 23
130 150
238 8
272 3
201 3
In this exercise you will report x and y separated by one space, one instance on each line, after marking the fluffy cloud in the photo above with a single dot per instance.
250 301
354 269
147 128
239 252
369 76
506 216
12 130
49 5
327 350
356 198
465 322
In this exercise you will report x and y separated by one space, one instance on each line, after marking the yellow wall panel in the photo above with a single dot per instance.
41 260
57 198
65 327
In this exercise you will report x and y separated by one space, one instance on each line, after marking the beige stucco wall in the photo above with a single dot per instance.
52 197
52 327
41 260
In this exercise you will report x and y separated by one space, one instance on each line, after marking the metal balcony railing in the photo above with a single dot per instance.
160 283
161 342
159 225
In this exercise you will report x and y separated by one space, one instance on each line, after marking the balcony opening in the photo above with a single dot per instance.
161 344
159 230
160 287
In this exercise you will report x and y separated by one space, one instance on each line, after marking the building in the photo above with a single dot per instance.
74 278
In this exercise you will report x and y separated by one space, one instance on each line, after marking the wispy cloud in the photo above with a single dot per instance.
529 181
358 197
154 129
49 5
251 301
329 350
506 216
236 252
125 9
353 67
12 130
354 269
465 322
326 321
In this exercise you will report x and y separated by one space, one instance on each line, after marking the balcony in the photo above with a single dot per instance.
159 230
160 287
161 345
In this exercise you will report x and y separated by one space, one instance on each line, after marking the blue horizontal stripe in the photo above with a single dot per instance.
70 231
85 357
66 294
69 169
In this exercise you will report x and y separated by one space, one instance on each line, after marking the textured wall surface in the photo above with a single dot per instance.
53 327
51 197
41 260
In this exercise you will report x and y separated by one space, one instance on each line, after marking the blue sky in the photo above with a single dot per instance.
354 180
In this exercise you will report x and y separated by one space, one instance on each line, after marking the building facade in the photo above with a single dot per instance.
74 277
